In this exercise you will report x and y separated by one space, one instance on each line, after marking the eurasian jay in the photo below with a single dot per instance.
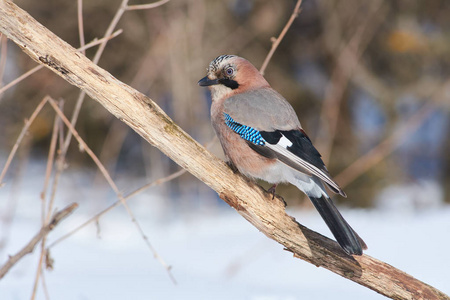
262 137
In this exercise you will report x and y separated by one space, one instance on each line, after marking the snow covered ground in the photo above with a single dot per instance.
214 253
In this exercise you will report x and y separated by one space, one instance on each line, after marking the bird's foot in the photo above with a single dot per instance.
232 166
272 190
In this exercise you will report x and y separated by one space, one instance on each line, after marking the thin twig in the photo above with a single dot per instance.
46 214
3 56
35 240
44 285
21 136
38 271
146 6
95 42
80 24
276 42
111 182
95 60
49 167
110 30
20 78
97 216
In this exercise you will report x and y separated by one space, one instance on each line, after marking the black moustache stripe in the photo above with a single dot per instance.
232 84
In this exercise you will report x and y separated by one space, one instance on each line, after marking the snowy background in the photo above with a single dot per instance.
213 251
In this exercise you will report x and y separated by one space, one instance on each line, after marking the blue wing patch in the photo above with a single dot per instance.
247 133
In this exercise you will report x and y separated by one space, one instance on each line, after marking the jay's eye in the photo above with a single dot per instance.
229 71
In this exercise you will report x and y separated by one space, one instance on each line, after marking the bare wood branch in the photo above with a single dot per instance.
35 240
252 202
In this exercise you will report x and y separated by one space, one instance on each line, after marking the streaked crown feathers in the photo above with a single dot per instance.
214 66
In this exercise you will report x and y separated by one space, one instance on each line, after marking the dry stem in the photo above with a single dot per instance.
95 42
20 138
35 240
80 24
112 184
281 36
146 6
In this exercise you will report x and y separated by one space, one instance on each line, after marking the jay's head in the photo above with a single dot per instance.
229 74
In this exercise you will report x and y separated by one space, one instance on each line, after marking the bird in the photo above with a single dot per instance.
262 138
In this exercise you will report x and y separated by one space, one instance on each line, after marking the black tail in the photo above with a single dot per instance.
344 234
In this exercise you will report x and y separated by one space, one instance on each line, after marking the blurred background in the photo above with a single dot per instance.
356 73
369 81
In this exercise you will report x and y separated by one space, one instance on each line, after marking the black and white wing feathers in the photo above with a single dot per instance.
295 149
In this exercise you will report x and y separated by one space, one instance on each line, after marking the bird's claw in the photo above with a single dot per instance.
232 166
272 190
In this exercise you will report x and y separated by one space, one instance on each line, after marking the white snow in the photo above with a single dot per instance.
214 252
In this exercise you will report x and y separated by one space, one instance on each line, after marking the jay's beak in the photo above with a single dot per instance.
205 81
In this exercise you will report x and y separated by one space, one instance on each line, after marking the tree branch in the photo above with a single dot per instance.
252 202
277 41
37 238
